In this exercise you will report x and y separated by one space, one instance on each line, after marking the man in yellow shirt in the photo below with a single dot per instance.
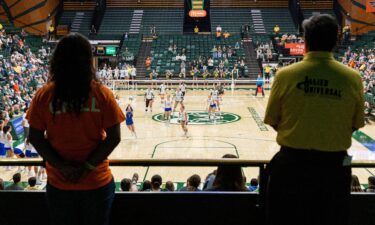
314 106
276 29
196 30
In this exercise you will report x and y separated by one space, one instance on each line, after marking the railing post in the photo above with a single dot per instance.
263 186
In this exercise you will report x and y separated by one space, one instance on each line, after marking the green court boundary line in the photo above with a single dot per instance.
156 146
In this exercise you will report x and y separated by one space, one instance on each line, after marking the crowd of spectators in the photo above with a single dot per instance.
21 73
363 60
224 63
224 178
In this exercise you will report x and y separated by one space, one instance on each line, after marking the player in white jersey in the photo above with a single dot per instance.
2 141
149 98
162 92
183 88
211 107
116 75
216 97
178 98
30 152
122 73
109 73
184 119
167 108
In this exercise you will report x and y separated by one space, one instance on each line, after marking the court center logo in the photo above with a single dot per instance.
201 118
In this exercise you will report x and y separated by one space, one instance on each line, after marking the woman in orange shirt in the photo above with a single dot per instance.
82 121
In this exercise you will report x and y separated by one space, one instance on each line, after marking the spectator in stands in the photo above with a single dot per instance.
242 67
237 45
192 183
1 184
253 185
169 186
228 178
148 62
226 34
196 30
51 32
371 184
146 185
153 75
276 29
32 184
125 184
310 119
355 185
218 35
92 30
16 185
156 182
209 180
218 28
64 110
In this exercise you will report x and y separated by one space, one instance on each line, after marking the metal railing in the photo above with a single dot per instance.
176 162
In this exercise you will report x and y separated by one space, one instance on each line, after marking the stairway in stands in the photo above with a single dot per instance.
135 25
144 52
257 19
77 21
251 60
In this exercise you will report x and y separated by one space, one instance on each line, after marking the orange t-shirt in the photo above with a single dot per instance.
75 137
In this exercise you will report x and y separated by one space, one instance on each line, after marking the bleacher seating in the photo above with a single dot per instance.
166 21
230 19
247 3
145 4
278 16
307 13
321 4
133 43
79 6
195 45
84 21
116 22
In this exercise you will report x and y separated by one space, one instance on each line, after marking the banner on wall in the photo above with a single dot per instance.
197 9
296 48
370 5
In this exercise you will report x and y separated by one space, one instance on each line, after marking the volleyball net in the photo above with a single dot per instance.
117 85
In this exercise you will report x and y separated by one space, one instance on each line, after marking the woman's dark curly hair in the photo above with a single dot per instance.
71 69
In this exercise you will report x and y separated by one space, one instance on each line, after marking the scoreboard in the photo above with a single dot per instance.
103 50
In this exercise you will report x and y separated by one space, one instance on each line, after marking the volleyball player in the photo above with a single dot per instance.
167 108
211 105
215 97
8 145
183 88
178 98
30 152
184 119
162 92
149 98
3 152
129 120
